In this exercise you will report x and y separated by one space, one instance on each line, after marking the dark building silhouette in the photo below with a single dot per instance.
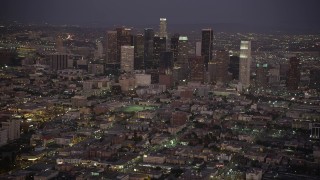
138 51
175 46
159 46
207 45
234 67
293 74
166 63
124 38
262 76
148 48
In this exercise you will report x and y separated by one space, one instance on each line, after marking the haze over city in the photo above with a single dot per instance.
142 89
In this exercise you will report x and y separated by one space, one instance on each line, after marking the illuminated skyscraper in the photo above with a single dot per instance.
124 38
262 76
293 74
245 63
163 28
207 45
182 59
127 58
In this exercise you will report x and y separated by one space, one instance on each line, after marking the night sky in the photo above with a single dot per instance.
267 13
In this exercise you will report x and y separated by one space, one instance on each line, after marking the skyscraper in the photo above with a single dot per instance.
218 67
124 38
293 74
174 46
58 61
197 68
234 67
127 58
207 45
148 48
159 46
163 28
245 63
166 63
138 51
112 50
182 59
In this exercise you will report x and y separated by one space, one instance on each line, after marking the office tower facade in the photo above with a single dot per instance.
245 63
127 58
58 61
124 38
293 74
198 49
139 52
112 48
262 70
183 51
197 69
234 67
207 45
99 50
159 46
163 28
148 48
218 67
174 46
166 63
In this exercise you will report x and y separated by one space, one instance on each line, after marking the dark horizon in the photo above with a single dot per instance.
246 15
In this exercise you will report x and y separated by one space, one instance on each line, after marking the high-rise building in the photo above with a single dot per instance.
207 45
262 76
218 67
99 50
112 48
124 38
197 68
183 50
159 46
148 48
234 67
198 48
163 28
245 63
58 61
174 46
127 58
293 74
138 52
166 63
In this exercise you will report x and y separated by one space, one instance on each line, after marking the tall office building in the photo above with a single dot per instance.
218 67
183 50
159 46
58 61
198 48
13 128
124 38
207 45
127 58
148 48
245 63
174 46
197 68
293 74
138 52
163 28
112 48
262 76
234 67
166 63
